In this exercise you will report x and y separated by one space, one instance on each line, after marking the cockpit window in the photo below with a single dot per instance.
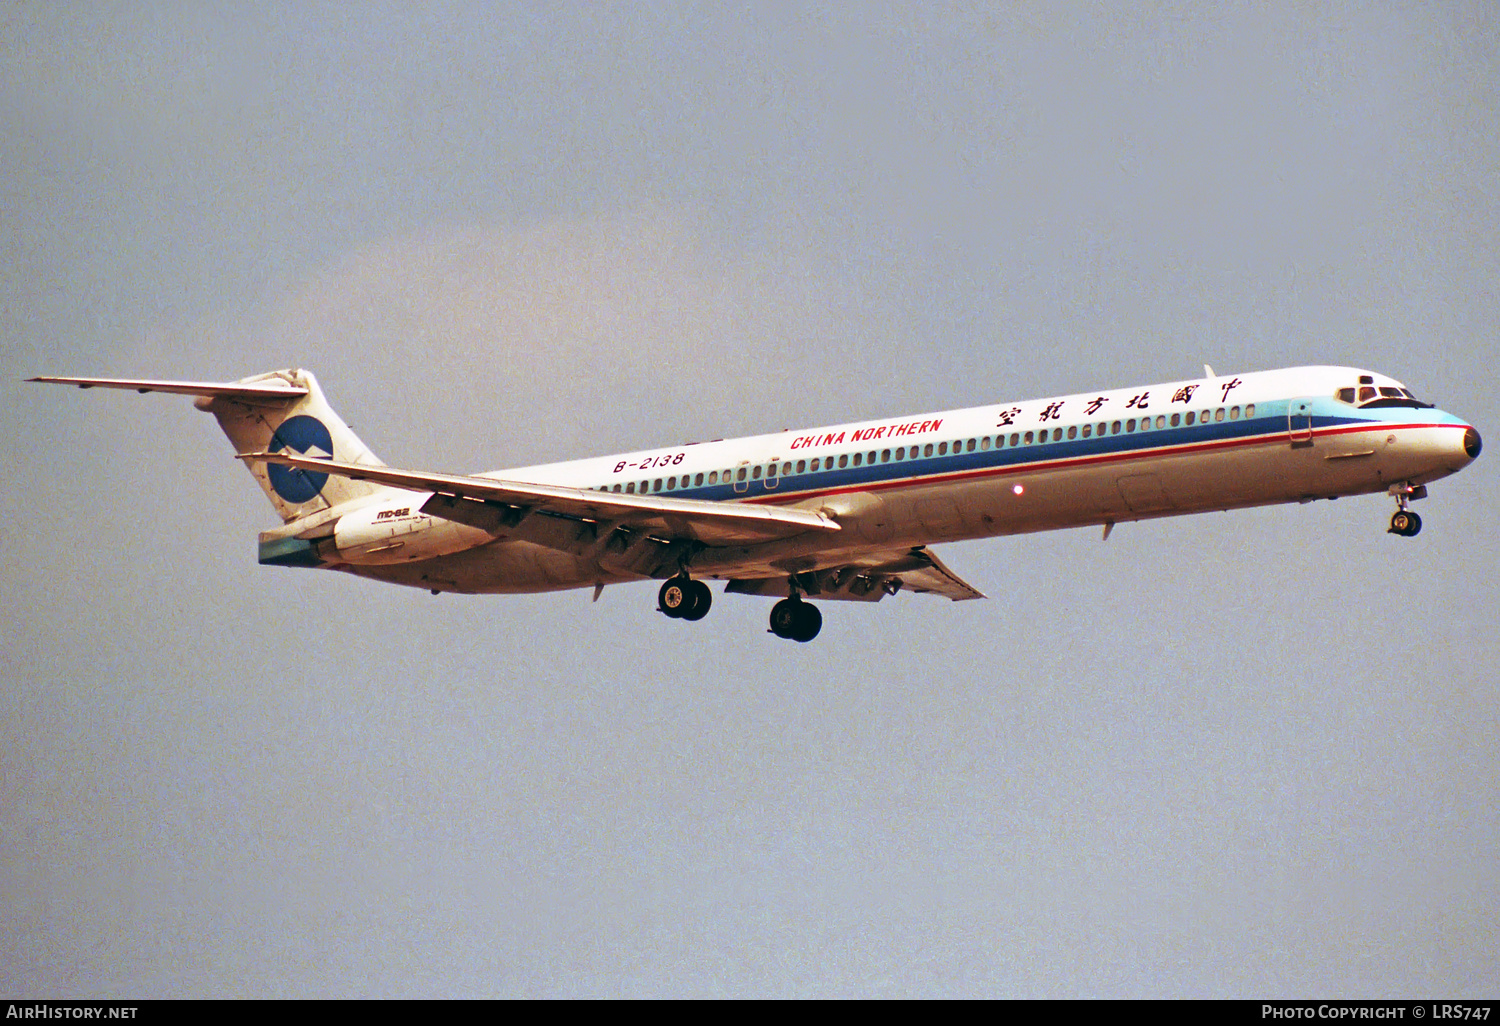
1368 397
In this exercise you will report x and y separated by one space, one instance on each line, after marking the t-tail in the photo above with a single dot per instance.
281 411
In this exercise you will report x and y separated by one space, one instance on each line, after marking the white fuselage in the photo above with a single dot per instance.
1013 467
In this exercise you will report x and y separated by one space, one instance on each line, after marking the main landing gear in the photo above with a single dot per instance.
1404 522
792 618
683 598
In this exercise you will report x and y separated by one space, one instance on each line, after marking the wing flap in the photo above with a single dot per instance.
868 579
937 579
714 523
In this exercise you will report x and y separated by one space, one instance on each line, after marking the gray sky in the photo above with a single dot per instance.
1243 754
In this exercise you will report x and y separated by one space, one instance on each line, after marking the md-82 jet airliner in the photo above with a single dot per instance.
840 512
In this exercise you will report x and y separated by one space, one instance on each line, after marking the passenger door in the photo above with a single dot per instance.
1299 423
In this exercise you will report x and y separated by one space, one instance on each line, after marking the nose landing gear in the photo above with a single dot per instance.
1404 522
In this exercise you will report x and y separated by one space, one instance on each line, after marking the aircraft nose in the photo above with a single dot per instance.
1472 444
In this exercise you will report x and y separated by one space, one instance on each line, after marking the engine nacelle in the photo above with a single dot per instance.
397 531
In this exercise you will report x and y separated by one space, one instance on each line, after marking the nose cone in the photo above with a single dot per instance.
1472 444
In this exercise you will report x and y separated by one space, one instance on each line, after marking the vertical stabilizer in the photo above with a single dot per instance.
302 423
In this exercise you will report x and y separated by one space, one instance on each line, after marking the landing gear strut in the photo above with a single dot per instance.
792 618
1404 522
685 599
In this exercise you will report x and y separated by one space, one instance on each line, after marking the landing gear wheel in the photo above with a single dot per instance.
673 597
699 599
684 599
784 617
792 618
1405 523
809 622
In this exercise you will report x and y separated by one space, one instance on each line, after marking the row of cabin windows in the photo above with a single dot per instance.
773 471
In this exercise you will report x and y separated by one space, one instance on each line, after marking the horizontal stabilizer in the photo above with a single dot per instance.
714 523
213 390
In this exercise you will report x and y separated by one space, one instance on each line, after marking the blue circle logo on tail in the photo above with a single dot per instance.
305 436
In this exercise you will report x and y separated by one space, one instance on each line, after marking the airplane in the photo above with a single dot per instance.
844 512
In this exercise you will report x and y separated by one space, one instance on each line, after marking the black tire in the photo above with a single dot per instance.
809 622
784 617
1401 523
675 597
699 599
1415 525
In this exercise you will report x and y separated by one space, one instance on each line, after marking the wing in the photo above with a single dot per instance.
713 523
211 389
868 579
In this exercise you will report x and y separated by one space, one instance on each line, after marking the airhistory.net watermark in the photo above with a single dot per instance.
48 1010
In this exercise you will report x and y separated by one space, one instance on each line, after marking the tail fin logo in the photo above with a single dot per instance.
306 436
